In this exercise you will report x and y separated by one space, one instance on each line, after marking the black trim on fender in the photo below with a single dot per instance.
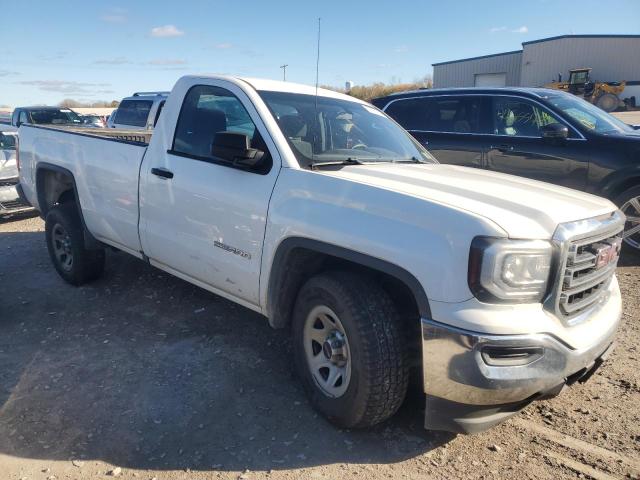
90 241
278 272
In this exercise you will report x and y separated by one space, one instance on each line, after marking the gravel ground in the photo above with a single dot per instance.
145 376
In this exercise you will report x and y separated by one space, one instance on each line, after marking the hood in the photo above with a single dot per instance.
523 208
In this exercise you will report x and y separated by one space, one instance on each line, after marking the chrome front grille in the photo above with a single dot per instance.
588 253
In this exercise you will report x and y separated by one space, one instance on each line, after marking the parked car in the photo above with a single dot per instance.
138 112
45 116
318 211
10 200
536 133
93 120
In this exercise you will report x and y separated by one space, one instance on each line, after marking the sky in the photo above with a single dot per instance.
92 50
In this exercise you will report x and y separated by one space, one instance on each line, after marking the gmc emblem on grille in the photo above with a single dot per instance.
607 254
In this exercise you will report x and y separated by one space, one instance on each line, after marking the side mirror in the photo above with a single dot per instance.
555 131
236 148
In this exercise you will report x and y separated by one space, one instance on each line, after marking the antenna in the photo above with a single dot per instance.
317 76
284 72
318 59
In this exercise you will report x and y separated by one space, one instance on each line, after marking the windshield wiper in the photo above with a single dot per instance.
410 160
347 161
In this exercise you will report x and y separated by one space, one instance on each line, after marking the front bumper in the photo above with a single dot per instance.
475 380
12 199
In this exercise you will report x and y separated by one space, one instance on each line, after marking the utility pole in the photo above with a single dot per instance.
284 72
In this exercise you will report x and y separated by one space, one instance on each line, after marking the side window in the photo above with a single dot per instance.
133 112
410 113
23 117
519 118
208 110
454 115
160 107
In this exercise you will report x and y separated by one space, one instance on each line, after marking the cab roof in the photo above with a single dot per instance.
263 84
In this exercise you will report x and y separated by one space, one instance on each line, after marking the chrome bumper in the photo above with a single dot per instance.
474 380
12 199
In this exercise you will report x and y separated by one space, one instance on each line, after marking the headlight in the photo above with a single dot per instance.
502 270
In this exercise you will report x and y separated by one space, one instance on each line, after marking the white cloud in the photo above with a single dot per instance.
115 15
497 29
223 46
522 29
114 18
113 61
6 73
167 61
166 31
401 49
67 87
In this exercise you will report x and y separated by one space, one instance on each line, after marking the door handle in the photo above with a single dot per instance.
502 148
161 172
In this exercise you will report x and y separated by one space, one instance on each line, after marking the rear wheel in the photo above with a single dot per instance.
629 202
65 242
349 349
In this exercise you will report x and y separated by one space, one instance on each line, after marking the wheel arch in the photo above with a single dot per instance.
620 182
57 185
297 258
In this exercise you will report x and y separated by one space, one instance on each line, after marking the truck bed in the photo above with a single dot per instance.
104 164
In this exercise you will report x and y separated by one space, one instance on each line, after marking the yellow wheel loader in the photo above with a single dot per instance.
605 95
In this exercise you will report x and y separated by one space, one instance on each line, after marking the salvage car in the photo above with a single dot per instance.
139 111
537 133
10 200
42 115
321 213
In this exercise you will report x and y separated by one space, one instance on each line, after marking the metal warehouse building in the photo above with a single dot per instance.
612 58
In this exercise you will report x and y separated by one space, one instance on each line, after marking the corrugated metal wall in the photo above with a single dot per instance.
612 59
462 74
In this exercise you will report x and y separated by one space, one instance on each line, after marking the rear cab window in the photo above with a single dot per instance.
133 112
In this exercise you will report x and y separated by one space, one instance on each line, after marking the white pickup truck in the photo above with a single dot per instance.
318 211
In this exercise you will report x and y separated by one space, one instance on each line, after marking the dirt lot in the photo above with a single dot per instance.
632 117
144 372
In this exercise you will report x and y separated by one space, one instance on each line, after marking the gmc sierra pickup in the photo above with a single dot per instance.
320 212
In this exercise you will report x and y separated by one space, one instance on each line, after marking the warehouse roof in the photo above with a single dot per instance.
477 58
548 39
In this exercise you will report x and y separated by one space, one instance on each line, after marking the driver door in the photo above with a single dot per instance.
518 148
203 218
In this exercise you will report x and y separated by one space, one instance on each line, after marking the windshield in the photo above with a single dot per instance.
55 117
586 114
7 141
323 129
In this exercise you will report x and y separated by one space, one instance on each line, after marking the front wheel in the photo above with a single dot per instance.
349 349
629 202
65 242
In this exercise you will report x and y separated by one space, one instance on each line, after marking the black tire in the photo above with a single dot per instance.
378 354
86 265
633 243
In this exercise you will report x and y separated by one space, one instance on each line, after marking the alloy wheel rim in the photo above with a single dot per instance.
327 351
631 234
62 247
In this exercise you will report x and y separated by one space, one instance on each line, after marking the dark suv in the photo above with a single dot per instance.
532 132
